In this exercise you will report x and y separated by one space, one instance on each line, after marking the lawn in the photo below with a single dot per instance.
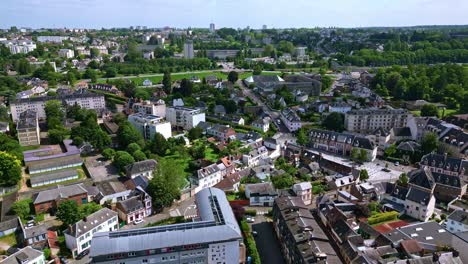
441 112
168 221
27 148
9 240
210 155
182 162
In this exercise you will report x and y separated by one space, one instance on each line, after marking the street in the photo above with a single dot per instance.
268 245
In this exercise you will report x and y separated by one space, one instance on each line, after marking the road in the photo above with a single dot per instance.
268 245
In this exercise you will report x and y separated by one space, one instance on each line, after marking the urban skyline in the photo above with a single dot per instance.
156 13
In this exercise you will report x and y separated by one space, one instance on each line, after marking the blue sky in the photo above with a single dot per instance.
231 13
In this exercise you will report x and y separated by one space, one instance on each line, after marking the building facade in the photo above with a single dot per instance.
149 125
290 119
214 237
79 235
184 117
28 129
368 120
157 108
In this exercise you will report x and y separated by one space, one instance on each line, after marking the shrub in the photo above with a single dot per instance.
251 212
382 217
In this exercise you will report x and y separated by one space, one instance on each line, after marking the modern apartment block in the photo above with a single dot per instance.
188 50
157 108
184 117
85 100
19 46
28 129
368 120
78 236
290 119
213 237
149 125
66 53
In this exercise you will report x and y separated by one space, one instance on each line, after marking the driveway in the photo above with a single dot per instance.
100 169
267 244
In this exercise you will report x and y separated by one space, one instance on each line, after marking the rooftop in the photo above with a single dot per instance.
51 152
60 192
91 221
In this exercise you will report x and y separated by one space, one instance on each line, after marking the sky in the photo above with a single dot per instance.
230 13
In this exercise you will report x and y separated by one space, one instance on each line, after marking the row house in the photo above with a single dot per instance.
253 158
136 207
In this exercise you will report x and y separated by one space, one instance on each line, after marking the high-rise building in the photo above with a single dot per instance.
188 50
212 27
149 125
28 129
213 237
264 27
184 117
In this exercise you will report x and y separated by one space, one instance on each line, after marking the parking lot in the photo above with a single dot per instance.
267 244
100 169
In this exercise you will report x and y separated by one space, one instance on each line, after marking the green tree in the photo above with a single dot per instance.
11 146
22 208
54 113
429 143
354 154
362 155
10 169
89 208
302 136
334 121
127 134
403 180
110 72
195 133
186 87
24 67
159 145
68 212
57 136
167 82
108 153
122 159
90 74
363 175
139 155
283 181
132 147
429 110
94 52
233 76
166 183
390 151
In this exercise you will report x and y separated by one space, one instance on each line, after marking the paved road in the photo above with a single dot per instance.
267 245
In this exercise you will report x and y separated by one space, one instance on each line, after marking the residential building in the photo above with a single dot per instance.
457 221
304 191
111 191
143 168
368 120
420 203
149 125
19 46
49 200
290 119
221 132
53 157
157 108
4 127
188 50
54 177
66 53
102 49
253 158
104 87
212 27
148 55
26 255
79 235
339 107
84 100
445 164
261 194
136 207
365 144
28 129
35 236
184 117
330 141
300 236
221 54
213 237
262 123
209 176
147 82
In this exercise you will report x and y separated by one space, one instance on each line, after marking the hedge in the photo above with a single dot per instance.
250 243
251 212
382 217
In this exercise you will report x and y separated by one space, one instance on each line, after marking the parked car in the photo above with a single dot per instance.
138 221
254 233
82 254
250 219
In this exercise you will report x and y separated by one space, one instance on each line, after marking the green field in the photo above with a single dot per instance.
448 112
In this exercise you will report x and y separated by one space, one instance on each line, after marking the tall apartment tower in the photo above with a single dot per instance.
188 50
212 27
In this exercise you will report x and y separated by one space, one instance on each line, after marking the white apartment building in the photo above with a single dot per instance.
83 51
66 53
149 125
420 203
147 107
253 158
184 117
290 119
209 176
304 191
26 255
368 120
78 236
457 221
19 46
262 124
102 49
261 194
84 100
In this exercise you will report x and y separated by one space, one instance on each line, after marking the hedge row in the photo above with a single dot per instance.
383 217
250 243
251 212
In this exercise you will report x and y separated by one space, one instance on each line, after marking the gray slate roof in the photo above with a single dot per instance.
91 221
22 256
459 216
55 175
217 223
59 192
141 166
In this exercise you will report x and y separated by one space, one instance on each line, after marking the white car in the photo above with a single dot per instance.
138 221
250 219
